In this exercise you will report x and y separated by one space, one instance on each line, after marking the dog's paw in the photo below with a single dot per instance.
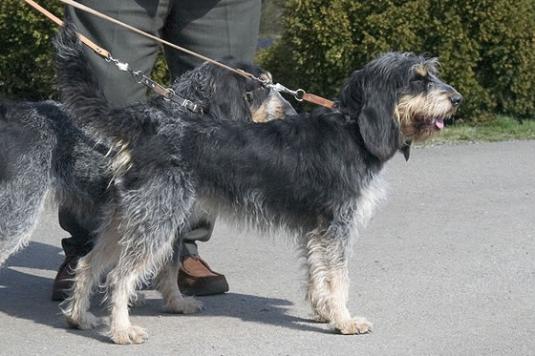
186 305
85 321
354 326
131 335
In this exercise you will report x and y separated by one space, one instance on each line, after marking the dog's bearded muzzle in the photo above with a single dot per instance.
423 114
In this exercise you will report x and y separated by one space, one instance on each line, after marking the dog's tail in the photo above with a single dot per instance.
83 98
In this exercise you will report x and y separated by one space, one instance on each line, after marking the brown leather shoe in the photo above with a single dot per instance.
196 278
64 278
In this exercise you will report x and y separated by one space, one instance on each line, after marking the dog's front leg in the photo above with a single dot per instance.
88 272
339 314
328 282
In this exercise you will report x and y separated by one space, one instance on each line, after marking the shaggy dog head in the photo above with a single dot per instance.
396 99
229 95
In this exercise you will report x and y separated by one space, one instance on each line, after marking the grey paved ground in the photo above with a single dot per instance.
446 267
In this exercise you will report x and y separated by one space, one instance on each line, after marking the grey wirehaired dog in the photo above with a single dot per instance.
314 175
42 150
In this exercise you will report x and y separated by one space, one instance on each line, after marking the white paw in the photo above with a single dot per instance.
186 305
85 321
131 335
354 326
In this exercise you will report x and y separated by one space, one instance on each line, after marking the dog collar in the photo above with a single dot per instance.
188 104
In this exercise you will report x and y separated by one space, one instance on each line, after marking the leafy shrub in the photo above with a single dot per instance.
26 60
26 68
486 47
26 63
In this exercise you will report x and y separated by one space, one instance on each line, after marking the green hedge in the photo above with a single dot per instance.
486 47
26 62
26 68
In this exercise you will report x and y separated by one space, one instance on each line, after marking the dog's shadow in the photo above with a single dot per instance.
249 308
26 285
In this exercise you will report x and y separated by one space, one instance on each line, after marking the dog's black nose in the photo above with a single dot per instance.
456 99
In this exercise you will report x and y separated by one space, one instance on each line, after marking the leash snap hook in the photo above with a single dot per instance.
299 94
140 78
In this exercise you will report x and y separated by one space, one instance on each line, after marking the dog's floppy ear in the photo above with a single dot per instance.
372 105
227 99
368 100
378 128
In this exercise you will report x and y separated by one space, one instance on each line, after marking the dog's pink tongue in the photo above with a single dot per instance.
439 123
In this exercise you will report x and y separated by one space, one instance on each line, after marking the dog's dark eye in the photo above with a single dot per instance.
417 79
249 97
430 85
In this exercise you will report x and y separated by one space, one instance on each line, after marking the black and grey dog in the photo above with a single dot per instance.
317 176
42 150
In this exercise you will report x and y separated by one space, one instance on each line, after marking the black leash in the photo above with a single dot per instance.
167 93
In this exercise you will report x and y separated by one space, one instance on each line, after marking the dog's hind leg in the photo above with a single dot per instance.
151 217
90 268
328 279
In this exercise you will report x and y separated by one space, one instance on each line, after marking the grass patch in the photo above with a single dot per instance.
504 128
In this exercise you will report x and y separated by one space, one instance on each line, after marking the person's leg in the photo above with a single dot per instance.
195 276
74 247
213 28
118 87
216 29
139 52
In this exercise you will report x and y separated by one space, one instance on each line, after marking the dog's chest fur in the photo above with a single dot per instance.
370 196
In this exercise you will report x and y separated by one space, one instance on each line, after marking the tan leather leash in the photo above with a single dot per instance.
155 38
298 94
301 95
99 50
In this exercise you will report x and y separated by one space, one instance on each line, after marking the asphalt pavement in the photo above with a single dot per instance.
446 267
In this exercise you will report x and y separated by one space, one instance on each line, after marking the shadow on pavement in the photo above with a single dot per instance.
26 282
250 308
25 285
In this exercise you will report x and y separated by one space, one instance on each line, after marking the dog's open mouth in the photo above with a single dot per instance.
433 123
438 122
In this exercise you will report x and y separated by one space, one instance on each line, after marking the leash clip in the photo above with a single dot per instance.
298 94
120 65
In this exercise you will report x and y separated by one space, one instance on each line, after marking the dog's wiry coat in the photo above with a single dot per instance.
41 150
316 175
